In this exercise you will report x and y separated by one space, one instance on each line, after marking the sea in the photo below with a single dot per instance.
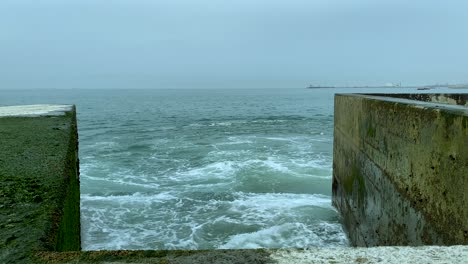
203 169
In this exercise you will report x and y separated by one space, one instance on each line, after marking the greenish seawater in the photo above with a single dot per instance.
202 169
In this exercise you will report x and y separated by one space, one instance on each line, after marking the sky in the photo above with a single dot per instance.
231 44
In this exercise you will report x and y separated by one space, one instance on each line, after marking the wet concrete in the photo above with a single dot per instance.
400 171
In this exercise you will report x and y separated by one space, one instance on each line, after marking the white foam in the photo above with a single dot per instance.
269 121
235 140
123 182
280 139
268 237
124 221
228 154
221 124
129 198
278 202
133 226
294 235
190 206
275 165
167 221
238 142
218 170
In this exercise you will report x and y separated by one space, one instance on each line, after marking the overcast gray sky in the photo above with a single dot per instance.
231 44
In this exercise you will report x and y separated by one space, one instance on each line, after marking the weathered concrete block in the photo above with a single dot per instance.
39 179
400 170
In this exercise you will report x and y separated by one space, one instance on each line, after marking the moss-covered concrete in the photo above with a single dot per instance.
240 256
391 255
401 170
39 194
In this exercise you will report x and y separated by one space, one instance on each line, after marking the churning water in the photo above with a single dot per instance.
203 169
207 169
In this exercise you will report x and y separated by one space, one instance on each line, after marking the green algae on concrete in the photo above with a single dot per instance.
39 179
413 160
343 255
239 256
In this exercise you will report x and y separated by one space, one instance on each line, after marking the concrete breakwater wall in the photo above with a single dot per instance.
39 179
400 170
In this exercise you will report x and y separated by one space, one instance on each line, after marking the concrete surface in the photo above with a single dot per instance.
452 99
400 171
388 255
35 110
39 194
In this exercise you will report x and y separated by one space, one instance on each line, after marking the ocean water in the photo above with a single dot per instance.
203 169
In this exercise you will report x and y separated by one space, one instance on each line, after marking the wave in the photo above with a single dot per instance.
175 220
294 235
